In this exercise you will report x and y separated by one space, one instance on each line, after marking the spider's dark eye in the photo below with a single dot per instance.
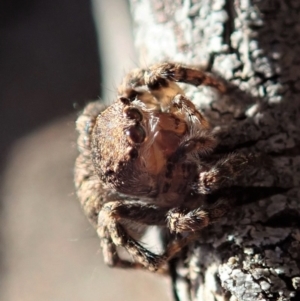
135 134
133 113
133 153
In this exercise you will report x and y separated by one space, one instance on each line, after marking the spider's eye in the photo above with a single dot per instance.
133 153
135 134
133 113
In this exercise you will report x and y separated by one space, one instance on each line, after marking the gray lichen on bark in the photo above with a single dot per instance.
254 46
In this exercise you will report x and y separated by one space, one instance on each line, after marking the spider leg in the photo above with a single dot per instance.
181 73
176 245
181 220
182 107
112 232
202 144
143 213
111 256
200 140
187 224
225 172
133 80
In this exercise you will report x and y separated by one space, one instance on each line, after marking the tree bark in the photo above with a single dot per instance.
254 252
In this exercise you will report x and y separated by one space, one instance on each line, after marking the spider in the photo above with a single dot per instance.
148 160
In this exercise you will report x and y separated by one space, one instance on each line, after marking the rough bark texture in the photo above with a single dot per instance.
253 253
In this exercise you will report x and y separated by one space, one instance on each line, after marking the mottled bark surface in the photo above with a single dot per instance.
253 253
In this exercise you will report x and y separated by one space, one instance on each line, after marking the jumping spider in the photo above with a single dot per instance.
146 160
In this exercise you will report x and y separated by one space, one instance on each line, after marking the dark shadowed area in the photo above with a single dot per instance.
49 61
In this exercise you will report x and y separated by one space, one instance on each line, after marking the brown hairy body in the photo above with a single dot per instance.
147 160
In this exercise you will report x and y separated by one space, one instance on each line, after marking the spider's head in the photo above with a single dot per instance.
131 143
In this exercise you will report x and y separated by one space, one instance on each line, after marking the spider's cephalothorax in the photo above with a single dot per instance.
144 160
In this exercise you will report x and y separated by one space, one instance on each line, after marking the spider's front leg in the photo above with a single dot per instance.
180 73
113 220
110 254
127 91
223 173
215 176
227 171
187 224
179 220
185 220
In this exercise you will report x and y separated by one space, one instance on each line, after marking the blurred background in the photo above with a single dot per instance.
49 68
